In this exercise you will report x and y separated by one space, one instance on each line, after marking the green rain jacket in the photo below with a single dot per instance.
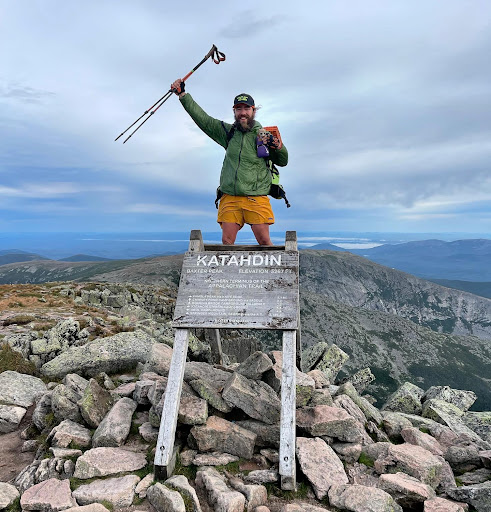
243 172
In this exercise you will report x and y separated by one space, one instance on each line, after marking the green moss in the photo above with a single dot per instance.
75 446
188 502
14 305
14 507
143 472
134 429
19 320
424 429
12 360
188 471
301 492
108 504
50 419
29 294
366 460
138 501
42 441
433 473
77 482
233 467
90 286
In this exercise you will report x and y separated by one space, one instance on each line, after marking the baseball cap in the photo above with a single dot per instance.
244 98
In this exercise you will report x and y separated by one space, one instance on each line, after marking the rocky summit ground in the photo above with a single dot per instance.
83 373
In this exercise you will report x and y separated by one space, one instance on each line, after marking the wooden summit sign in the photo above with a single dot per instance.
230 287
238 289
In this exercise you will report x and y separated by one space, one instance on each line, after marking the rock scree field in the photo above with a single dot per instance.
83 372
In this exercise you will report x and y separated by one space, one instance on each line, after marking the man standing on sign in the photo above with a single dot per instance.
245 179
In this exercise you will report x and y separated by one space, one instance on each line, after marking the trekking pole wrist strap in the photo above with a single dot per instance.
216 56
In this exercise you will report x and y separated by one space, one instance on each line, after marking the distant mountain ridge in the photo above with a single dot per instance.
13 251
85 257
477 288
17 256
467 260
8 256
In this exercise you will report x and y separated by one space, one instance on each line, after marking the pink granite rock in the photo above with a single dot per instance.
324 420
414 436
360 498
221 435
406 490
49 496
414 461
443 505
320 464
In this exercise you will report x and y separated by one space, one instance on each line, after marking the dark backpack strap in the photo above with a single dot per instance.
219 196
230 133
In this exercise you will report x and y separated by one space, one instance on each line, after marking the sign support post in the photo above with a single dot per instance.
231 287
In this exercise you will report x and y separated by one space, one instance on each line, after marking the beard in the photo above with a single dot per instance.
245 128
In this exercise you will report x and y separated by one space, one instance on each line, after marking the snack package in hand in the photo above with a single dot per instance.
275 132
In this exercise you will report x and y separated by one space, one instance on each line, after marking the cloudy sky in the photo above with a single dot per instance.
384 106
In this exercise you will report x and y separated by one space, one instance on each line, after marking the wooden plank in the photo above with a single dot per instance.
291 245
291 241
288 407
220 247
165 443
195 241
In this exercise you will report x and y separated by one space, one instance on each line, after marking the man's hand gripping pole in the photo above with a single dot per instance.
215 56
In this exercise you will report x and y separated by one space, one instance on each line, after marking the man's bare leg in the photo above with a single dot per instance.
261 232
229 232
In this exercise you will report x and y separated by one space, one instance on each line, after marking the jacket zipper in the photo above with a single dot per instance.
238 165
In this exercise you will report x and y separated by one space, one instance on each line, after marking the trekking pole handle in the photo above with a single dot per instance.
216 57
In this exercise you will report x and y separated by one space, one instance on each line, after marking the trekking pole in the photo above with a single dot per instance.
216 57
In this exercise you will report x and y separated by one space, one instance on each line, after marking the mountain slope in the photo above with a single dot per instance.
357 282
17 256
396 349
164 270
51 270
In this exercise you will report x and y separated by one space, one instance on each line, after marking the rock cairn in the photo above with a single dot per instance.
95 425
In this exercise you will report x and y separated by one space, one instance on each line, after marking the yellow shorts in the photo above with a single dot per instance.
245 210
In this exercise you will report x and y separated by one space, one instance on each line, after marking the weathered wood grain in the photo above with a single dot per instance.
288 406
238 290
168 423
